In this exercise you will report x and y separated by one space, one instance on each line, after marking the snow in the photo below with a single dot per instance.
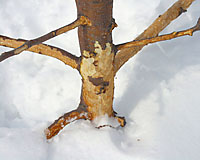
157 90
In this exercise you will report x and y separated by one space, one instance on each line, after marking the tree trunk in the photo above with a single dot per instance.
97 50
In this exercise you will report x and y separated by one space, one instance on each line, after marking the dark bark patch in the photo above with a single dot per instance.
6 55
182 10
102 90
98 81
95 63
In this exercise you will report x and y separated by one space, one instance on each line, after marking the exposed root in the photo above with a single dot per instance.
64 120
72 116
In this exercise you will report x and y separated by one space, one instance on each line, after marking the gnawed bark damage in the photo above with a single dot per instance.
100 59
98 80
96 67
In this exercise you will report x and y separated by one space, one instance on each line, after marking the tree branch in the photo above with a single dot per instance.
80 21
153 30
64 120
160 38
62 55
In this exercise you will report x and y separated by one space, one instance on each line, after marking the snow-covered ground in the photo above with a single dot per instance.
157 90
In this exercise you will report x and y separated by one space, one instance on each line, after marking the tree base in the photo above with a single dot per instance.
72 116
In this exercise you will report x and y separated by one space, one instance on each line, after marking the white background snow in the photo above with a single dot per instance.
157 90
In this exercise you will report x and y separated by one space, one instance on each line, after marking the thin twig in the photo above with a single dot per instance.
160 38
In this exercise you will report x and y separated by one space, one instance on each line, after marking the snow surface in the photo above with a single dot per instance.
157 90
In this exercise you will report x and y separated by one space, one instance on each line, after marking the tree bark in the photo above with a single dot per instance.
97 54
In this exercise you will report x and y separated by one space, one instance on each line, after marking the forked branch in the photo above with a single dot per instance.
160 38
152 31
80 21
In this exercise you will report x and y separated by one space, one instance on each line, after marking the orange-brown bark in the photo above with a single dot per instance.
153 30
160 38
80 21
64 120
43 49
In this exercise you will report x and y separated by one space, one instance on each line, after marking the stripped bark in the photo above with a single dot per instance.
153 30
97 54
44 49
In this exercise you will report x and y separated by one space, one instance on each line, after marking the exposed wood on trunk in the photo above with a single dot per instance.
153 30
98 81
43 49
96 66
